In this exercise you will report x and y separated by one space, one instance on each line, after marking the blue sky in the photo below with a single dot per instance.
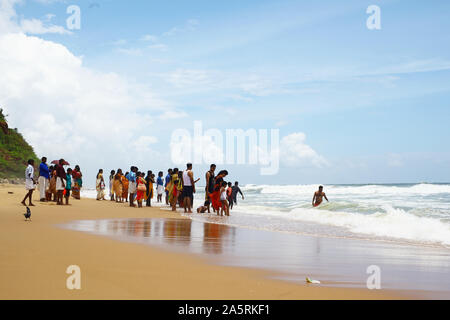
373 103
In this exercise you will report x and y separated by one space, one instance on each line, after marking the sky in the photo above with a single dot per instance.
352 104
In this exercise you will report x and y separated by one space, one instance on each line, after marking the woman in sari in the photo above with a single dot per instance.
149 184
180 189
141 189
125 184
173 189
100 185
78 182
52 185
117 185
215 196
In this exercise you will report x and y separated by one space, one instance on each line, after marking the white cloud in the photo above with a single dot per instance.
150 38
144 142
36 26
67 110
294 152
189 77
119 42
49 16
281 123
158 46
173 114
9 22
190 25
131 51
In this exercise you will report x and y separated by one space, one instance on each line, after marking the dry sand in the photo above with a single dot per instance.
34 257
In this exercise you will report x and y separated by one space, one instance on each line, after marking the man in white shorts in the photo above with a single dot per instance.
29 183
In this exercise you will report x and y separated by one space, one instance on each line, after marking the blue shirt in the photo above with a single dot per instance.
43 171
168 177
159 181
68 182
132 177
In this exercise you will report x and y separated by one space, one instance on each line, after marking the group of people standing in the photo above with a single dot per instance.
129 187
178 187
219 194
55 183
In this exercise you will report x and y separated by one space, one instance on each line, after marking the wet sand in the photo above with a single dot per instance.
34 257
293 257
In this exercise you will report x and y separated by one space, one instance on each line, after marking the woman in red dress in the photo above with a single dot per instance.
141 189
215 196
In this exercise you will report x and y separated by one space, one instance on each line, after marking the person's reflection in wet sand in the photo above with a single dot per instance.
123 227
147 228
97 226
129 227
212 237
177 231
113 226
138 228
157 230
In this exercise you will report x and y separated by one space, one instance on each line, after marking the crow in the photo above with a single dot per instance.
28 214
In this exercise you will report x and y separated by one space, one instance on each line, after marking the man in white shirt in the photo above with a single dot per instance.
188 189
29 182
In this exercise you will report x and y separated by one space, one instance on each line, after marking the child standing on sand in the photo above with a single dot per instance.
223 199
229 193
68 185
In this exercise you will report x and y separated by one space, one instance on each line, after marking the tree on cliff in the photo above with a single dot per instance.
14 151
3 122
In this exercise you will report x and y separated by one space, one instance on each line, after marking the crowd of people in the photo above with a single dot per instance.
136 187
54 182
58 184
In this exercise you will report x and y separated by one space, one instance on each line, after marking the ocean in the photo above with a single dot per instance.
417 214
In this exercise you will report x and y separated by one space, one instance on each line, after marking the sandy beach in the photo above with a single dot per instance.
34 257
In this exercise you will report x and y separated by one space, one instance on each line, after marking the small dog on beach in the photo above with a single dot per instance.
28 214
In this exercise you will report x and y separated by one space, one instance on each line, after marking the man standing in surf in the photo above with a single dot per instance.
318 197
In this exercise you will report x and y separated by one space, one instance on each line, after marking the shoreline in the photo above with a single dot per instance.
36 255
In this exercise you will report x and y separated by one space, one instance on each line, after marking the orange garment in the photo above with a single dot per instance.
140 195
125 184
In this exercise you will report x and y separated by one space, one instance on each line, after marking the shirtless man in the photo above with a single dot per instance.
318 197
209 184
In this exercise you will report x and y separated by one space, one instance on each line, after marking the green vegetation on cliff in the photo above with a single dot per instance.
14 151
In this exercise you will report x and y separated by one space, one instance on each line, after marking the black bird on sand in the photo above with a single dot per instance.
28 214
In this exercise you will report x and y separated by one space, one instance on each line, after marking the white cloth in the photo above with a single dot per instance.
223 196
29 172
160 189
186 179
43 186
29 175
60 186
132 187
29 184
